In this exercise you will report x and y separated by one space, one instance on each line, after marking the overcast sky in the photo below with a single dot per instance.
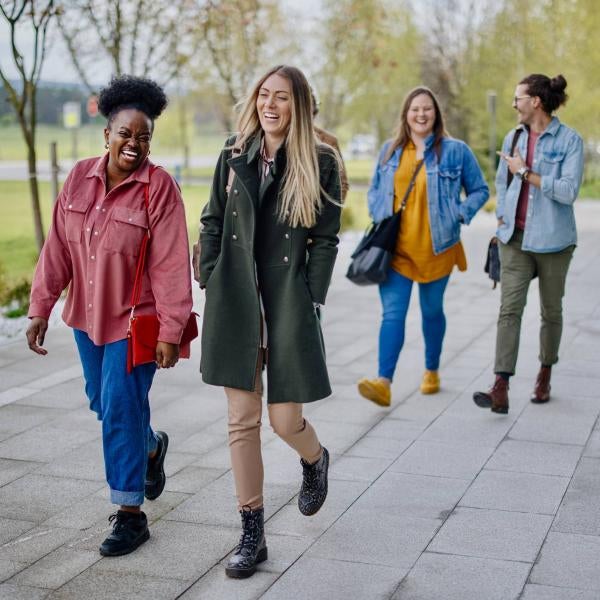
58 67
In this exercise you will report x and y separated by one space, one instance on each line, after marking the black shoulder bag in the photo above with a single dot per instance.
492 259
372 257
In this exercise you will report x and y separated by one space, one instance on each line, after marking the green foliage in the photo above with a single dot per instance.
14 296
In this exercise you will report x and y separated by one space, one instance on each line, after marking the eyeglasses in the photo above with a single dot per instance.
517 98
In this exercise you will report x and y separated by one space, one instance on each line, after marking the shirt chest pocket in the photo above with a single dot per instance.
126 230
75 212
450 183
552 162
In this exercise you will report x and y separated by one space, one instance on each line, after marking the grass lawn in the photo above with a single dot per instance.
90 142
17 239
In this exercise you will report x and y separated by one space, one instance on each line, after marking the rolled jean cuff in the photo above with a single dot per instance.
126 498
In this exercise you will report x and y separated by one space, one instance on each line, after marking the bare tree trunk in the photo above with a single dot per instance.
35 197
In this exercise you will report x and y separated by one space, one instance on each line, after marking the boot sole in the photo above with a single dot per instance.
238 573
536 400
143 538
370 393
156 493
482 400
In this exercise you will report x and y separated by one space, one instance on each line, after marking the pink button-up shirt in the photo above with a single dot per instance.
93 245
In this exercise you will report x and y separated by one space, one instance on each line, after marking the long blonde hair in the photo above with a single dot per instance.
300 194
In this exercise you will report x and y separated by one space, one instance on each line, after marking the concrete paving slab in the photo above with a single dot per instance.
358 468
217 586
9 591
288 520
94 584
519 492
579 512
183 551
492 534
56 568
372 538
192 479
9 567
44 443
535 457
443 460
569 560
546 592
12 528
401 494
462 578
36 543
335 580
14 469
371 446
45 496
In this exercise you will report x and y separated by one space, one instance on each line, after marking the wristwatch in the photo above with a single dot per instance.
522 173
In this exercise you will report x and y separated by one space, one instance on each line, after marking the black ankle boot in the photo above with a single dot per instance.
252 548
130 530
314 485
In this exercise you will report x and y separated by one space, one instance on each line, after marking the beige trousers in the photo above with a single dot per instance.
245 412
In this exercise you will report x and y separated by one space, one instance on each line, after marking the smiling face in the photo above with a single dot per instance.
421 116
128 137
524 104
274 106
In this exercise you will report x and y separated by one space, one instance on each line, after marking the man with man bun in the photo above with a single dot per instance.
537 182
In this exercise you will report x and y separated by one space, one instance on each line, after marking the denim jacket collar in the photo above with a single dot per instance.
552 128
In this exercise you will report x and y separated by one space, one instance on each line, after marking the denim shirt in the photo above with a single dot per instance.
456 169
558 159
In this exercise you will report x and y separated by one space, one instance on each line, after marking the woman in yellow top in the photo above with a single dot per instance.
428 245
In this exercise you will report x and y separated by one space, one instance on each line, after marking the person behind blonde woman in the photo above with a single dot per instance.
328 138
99 221
264 284
428 246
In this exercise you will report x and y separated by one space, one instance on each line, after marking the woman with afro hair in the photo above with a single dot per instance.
100 219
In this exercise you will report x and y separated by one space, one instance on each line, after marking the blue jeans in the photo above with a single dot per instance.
395 298
120 400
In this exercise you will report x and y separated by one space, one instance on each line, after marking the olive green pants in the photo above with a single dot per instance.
517 269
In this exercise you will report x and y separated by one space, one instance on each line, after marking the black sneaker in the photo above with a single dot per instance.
252 548
155 471
314 485
130 530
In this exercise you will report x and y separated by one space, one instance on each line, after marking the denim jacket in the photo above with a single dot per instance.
550 222
456 169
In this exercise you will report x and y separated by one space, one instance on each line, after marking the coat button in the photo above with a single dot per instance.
235 213
285 259
235 192
287 236
234 237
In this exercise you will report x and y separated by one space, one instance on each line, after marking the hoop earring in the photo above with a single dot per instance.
106 146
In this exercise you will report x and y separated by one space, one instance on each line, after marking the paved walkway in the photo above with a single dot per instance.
432 499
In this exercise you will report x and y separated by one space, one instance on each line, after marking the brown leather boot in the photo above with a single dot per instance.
541 391
496 398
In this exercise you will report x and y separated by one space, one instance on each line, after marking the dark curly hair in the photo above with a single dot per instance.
127 91
551 92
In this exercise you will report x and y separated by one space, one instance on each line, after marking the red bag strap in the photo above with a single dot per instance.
139 271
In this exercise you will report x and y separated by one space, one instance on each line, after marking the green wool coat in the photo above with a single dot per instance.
244 248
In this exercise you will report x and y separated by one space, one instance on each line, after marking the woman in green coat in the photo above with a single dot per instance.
269 243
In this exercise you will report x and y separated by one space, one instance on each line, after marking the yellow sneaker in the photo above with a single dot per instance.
377 390
430 383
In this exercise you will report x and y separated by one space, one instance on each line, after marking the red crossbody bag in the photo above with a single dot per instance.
142 332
